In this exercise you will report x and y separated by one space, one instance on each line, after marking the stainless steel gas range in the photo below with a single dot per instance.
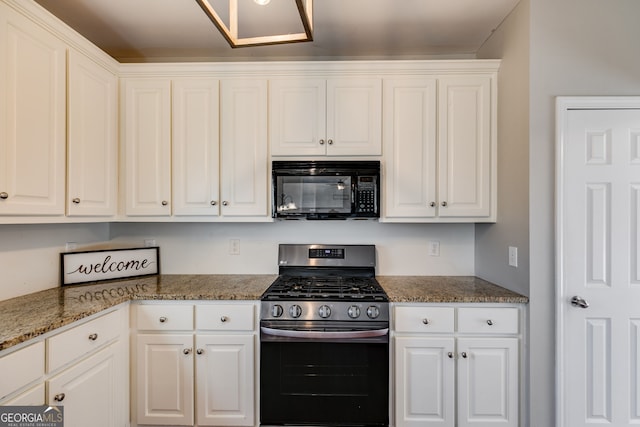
324 337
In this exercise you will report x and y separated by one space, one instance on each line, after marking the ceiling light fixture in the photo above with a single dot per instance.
227 14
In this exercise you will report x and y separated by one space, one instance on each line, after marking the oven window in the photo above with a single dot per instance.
313 194
323 383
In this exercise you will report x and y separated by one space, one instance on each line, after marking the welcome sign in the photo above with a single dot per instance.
95 266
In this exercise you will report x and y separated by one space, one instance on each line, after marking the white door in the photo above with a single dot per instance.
244 167
425 391
196 147
225 387
92 147
164 383
598 261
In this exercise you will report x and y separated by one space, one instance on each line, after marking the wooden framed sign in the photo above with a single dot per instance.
95 266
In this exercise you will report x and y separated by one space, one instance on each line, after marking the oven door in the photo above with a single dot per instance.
332 375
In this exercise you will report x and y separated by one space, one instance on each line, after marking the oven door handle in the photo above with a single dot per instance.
291 333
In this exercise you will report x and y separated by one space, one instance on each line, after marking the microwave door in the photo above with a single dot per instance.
317 194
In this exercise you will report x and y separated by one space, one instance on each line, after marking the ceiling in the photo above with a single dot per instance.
178 30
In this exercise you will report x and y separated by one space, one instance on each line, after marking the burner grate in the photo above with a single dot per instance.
339 287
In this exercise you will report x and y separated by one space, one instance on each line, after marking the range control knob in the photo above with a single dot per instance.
324 311
373 311
353 311
295 311
276 310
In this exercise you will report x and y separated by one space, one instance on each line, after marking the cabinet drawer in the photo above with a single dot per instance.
424 319
70 345
164 317
488 320
227 317
21 367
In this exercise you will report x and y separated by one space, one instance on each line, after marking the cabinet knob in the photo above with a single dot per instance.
425 321
450 355
4 195
165 203
490 322
163 319
59 397
225 203
464 354
432 204
444 204
187 351
200 351
76 201
330 142
93 337
213 203
224 319
321 142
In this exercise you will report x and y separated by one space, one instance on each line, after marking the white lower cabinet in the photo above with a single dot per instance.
456 376
88 372
200 375
91 391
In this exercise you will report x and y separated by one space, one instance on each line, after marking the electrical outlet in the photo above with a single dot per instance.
513 256
234 246
434 248
149 242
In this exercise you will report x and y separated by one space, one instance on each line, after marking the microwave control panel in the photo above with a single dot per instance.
366 195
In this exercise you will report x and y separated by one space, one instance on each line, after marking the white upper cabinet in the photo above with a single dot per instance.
196 147
334 117
92 145
440 149
410 148
466 160
244 151
146 122
32 117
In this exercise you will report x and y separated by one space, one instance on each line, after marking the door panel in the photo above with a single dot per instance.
598 216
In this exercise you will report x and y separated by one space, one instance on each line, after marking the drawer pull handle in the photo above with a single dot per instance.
187 351
59 397
93 337
76 201
200 351
490 322
426 321
163 319
464 354
450 354
224 319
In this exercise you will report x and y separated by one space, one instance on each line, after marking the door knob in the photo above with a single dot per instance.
577 301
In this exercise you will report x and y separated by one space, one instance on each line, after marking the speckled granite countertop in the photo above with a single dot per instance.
32 315
446 289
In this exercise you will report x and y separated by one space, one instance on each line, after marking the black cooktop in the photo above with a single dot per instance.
325 287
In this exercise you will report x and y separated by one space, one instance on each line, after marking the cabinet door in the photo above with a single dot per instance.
297 118
225 386
354 117
32 118
488 382
465 146
244 153
147 146
196 148
92 138
424 375
164 379
410 147
90 391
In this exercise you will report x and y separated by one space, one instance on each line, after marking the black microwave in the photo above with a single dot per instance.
326 189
